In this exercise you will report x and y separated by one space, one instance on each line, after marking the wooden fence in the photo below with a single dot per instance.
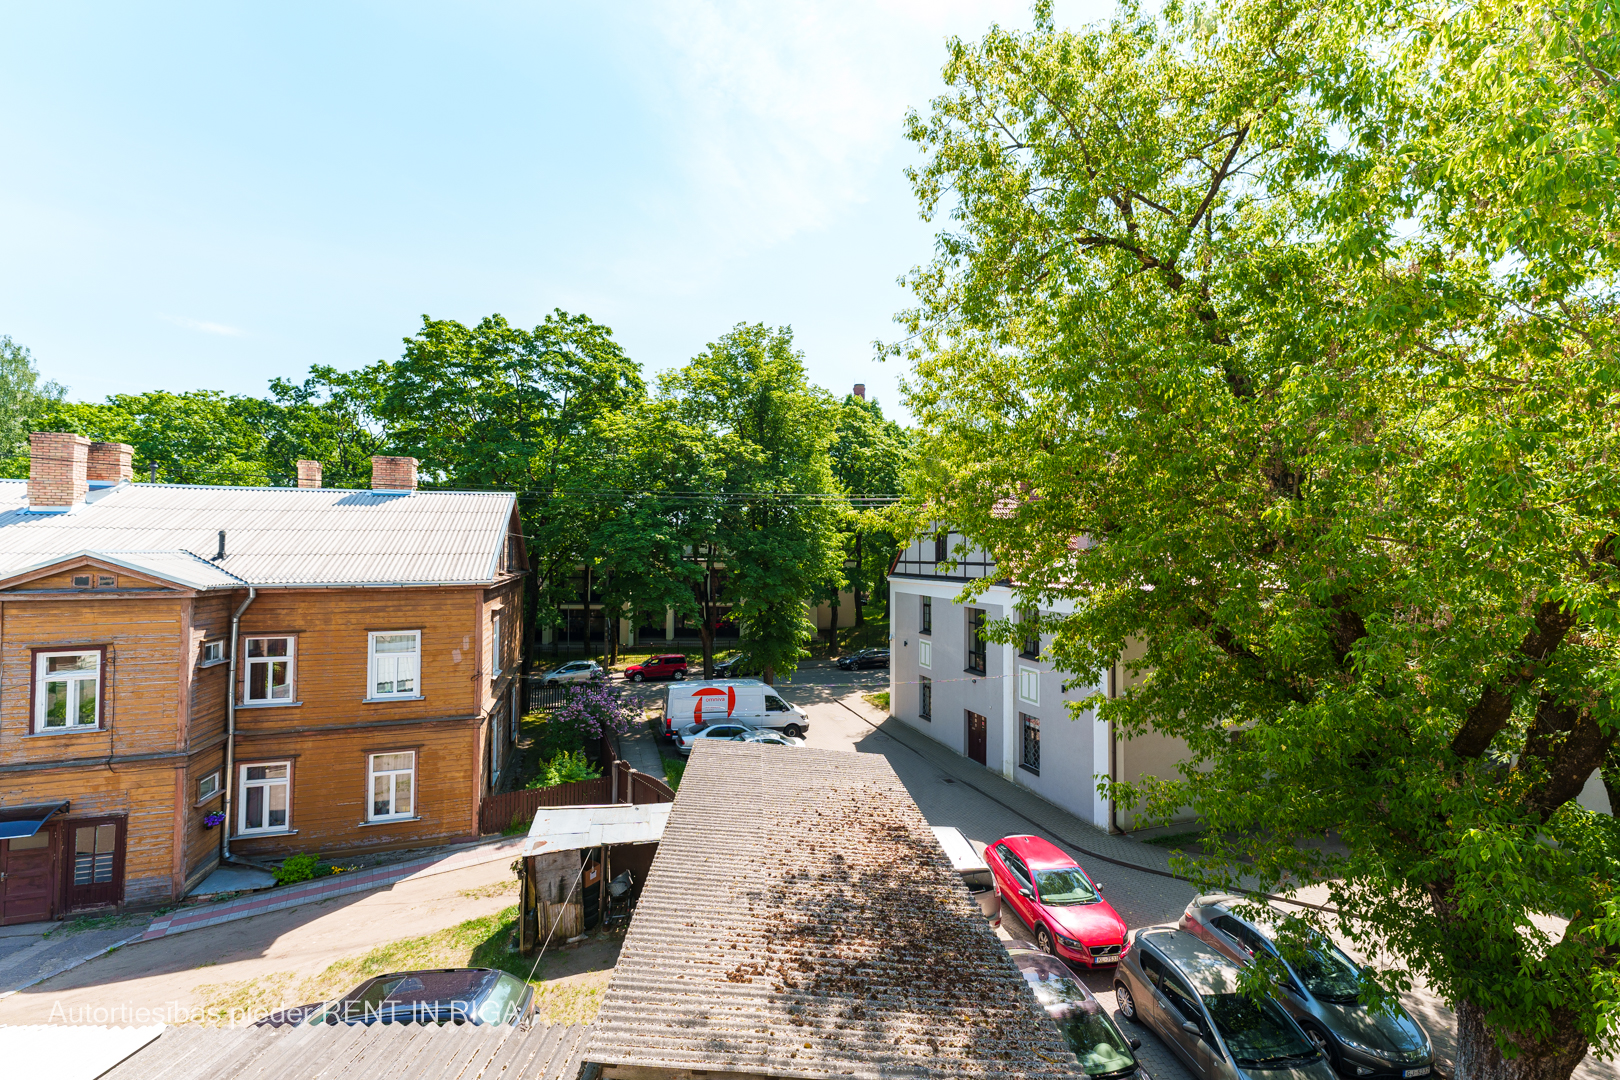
622 784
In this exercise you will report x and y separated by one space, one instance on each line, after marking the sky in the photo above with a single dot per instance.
210 196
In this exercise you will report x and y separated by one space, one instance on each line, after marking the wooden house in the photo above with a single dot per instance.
328 670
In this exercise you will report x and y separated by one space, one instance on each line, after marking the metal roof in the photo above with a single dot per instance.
569 828
341 1052
273 536
801 920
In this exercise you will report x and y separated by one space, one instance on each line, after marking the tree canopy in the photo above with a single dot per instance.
1303 319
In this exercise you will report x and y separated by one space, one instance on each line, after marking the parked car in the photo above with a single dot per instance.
668 666
865 658
691 734
770 738
1105 1052
438 996
1055 898
1187 992
733 666
745 701
1321 995
575 671
969 864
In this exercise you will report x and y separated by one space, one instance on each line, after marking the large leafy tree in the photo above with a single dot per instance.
1281 340
23 401
774 524
868 456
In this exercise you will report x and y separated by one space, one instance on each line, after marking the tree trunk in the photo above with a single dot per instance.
855 586
769 675
1610 771
1552 1058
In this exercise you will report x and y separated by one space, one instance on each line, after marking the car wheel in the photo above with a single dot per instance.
1043 941
636 677
551 682
793 731
1322 1043
1126 1003
679 676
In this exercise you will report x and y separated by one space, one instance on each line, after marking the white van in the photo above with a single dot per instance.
741 701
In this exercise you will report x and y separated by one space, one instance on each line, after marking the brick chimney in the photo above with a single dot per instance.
393 474
57 466
860 390
110 464
309 473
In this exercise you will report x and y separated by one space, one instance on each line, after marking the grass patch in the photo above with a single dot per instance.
880 699
1180 839
673 768
99 922
490 891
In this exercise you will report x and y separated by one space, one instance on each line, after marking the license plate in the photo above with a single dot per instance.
1425 1071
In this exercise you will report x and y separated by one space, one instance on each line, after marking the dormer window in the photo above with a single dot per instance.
106 581
81 581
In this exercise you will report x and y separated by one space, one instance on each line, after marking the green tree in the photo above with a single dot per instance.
198 437
774 524
868 457
23 401
1304 318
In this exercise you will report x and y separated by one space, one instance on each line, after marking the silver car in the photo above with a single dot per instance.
575 671
1187 992
692 734
1322 996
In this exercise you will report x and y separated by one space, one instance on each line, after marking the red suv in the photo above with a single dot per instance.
670 666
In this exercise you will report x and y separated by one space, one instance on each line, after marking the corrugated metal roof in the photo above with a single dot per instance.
801 920
400 1051
569 828
273 536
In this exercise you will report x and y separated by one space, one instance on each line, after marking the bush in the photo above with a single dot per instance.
301 867
565 768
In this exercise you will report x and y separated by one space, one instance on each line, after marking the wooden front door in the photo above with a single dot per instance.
93 858
977 729
27 881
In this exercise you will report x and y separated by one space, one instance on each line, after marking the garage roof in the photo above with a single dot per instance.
801 920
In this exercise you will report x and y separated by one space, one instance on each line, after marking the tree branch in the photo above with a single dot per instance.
1495 703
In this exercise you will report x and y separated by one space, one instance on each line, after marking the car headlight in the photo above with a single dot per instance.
1070 942
1382 1055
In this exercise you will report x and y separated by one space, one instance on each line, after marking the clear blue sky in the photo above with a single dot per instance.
212 195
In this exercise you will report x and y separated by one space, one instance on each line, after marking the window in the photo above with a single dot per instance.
975 640
1239 932
264 797
1183 1000
942 546
94 849
1029 685
1031 643
393 785
213 652
495 644
106 581
925 654
1030 741
775 704
395 660
81 581
67 688
269 673
207 787
925 698
925 624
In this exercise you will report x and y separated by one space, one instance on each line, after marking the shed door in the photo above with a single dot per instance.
26 893
977 729
93 853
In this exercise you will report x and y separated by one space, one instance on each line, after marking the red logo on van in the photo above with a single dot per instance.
729 693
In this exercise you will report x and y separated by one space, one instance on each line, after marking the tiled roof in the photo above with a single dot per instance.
273 536
801 920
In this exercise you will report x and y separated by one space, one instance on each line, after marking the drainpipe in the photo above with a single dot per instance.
230 735
1113 753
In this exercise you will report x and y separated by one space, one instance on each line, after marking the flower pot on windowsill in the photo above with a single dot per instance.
213 821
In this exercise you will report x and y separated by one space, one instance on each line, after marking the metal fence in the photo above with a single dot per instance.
544 698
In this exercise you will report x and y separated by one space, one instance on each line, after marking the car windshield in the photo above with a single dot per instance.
421 995
1065 886
1258 1035
1102 1050
1329 975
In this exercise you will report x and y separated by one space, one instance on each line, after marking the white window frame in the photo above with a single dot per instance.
74 680
393 787
1029 685
242 786
249 662
218 646
494 645
372 669
925 653
214 777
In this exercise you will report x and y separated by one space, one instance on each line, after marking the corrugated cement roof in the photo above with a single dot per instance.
396 1051
273 536
801 920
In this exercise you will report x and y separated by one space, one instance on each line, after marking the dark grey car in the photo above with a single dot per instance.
1322 996
1187 992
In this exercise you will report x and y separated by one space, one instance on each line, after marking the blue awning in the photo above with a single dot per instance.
19 821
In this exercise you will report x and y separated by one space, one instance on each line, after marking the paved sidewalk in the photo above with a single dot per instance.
33 952
325 888
639 749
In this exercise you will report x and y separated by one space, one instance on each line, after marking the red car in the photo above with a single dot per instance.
1059 903
670 666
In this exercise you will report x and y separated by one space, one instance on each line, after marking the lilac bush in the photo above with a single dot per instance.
595 710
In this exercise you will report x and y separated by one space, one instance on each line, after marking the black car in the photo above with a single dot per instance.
438 996
866 658
733 666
